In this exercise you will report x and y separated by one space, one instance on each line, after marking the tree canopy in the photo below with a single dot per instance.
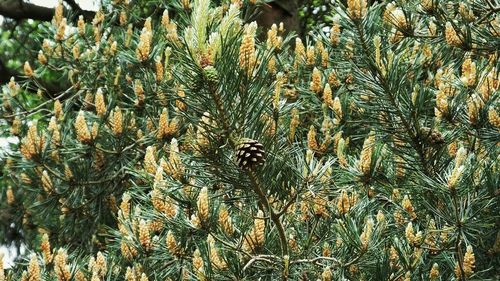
180 140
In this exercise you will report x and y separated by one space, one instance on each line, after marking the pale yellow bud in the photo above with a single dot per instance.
434 273
186 4
159 69
47 182
294 123
198 264
61 268
2 272
337 108
335 32
315 85
365 159
28 71
163 124
139 93
97 34
58 13
327 274
81 128
175 168
150 160
367 233
144 235
273 40
380 216
81 25
271 65
247 56
427 5
203 205
172 33
441 103
468 72
407 205
128 36
494 117
341 144
165 19
225 220
395 16
98 18
32 144
61 29
116 120
356 8
260 225
215 259
468 265
455 177
10 200
112 48
117 76
171 243
79 276
474 106
300 52
16 126
327 96
144 45
410 234
42 58
310 56
100 265
451 35
95 130
312 143
13 87
54 128
170 208
343 203
67 172
123 18
144 277
100 105
460 157
130 274
34 270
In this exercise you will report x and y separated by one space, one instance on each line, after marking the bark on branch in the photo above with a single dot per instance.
50 88
6 73
20 10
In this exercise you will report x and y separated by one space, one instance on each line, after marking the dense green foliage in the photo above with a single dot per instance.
381 142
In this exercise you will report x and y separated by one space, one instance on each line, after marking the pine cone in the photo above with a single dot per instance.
211 75
249 154
431 135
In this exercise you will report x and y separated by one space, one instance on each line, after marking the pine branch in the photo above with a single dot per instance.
274 216
20 10
384 84
254 259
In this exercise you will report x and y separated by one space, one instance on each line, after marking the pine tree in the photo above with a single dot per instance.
376 146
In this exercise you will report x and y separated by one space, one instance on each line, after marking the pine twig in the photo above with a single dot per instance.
274 217
257 258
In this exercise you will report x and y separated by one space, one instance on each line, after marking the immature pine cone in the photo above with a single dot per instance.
431 135
211 75
249 154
